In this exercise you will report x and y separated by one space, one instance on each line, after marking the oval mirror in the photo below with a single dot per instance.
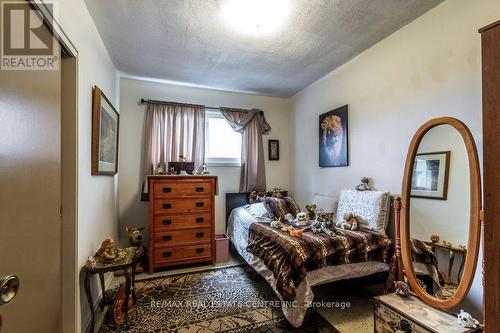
440 223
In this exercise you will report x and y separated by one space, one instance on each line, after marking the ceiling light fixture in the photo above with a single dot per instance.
256 16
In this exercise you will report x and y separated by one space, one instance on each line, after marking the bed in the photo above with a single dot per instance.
248 228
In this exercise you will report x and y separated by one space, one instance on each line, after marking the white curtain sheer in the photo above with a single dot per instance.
172 130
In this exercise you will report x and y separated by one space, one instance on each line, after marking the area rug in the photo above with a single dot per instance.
234 299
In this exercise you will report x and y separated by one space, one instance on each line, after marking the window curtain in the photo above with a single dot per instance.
171 130
252 125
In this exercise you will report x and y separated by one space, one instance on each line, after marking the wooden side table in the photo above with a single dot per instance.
128 265
451 255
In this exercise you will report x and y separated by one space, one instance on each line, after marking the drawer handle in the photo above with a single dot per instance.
200 220
200 204
167 190
200 235
167 254
166 222
200 189
167 206
167 238
200 250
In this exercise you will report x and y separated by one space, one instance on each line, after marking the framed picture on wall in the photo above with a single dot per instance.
430 175
105 130
333 138
274 150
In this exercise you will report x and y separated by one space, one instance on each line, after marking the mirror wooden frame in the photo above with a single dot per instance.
475 222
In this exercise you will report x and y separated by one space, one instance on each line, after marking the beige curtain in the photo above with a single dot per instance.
172 130
252 125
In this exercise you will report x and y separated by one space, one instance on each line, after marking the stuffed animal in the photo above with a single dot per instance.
289 218
465 319
277 224
311 211
325 222
349 222
364 186
135 239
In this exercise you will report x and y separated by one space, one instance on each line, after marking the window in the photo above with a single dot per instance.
223 145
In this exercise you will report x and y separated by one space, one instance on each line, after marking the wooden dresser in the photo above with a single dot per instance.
393 314
182 218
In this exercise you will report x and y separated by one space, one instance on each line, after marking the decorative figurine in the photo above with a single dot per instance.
364 186
182 158
435 239
109 252
90 263
465 319
172 171
447 244
204 170
402 289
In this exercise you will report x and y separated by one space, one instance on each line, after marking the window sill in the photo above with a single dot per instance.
223 164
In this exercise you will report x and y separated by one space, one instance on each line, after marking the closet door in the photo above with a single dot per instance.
490 37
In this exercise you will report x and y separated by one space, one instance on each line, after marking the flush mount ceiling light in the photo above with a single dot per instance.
255 16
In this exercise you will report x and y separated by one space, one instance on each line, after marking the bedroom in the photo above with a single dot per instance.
393 65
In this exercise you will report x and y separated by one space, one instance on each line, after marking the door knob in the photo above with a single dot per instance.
9 285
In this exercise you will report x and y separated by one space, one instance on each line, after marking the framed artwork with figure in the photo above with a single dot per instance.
105 130
333 138
274 150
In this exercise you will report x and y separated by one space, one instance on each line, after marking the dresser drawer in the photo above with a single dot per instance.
184 221
175 237
166 189
167 254
182 205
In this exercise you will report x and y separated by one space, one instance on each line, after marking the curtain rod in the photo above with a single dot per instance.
146 101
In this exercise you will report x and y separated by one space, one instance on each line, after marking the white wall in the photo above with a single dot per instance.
429 68
97 195
133 212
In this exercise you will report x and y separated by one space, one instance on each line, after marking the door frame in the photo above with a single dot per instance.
69 170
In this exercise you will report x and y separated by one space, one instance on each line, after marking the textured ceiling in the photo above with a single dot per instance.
186 40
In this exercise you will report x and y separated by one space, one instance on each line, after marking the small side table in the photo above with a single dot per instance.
451 255
128 265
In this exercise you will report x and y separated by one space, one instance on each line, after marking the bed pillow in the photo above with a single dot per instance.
326 202
279 207
369 207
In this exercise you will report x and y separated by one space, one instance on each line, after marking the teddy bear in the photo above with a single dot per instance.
349 222
311 211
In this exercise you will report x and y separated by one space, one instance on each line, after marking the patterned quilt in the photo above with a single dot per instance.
290 258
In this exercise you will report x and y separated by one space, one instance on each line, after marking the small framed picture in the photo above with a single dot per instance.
274 150
105 129
430 175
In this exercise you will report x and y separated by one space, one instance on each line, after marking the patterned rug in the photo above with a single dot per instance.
234 299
